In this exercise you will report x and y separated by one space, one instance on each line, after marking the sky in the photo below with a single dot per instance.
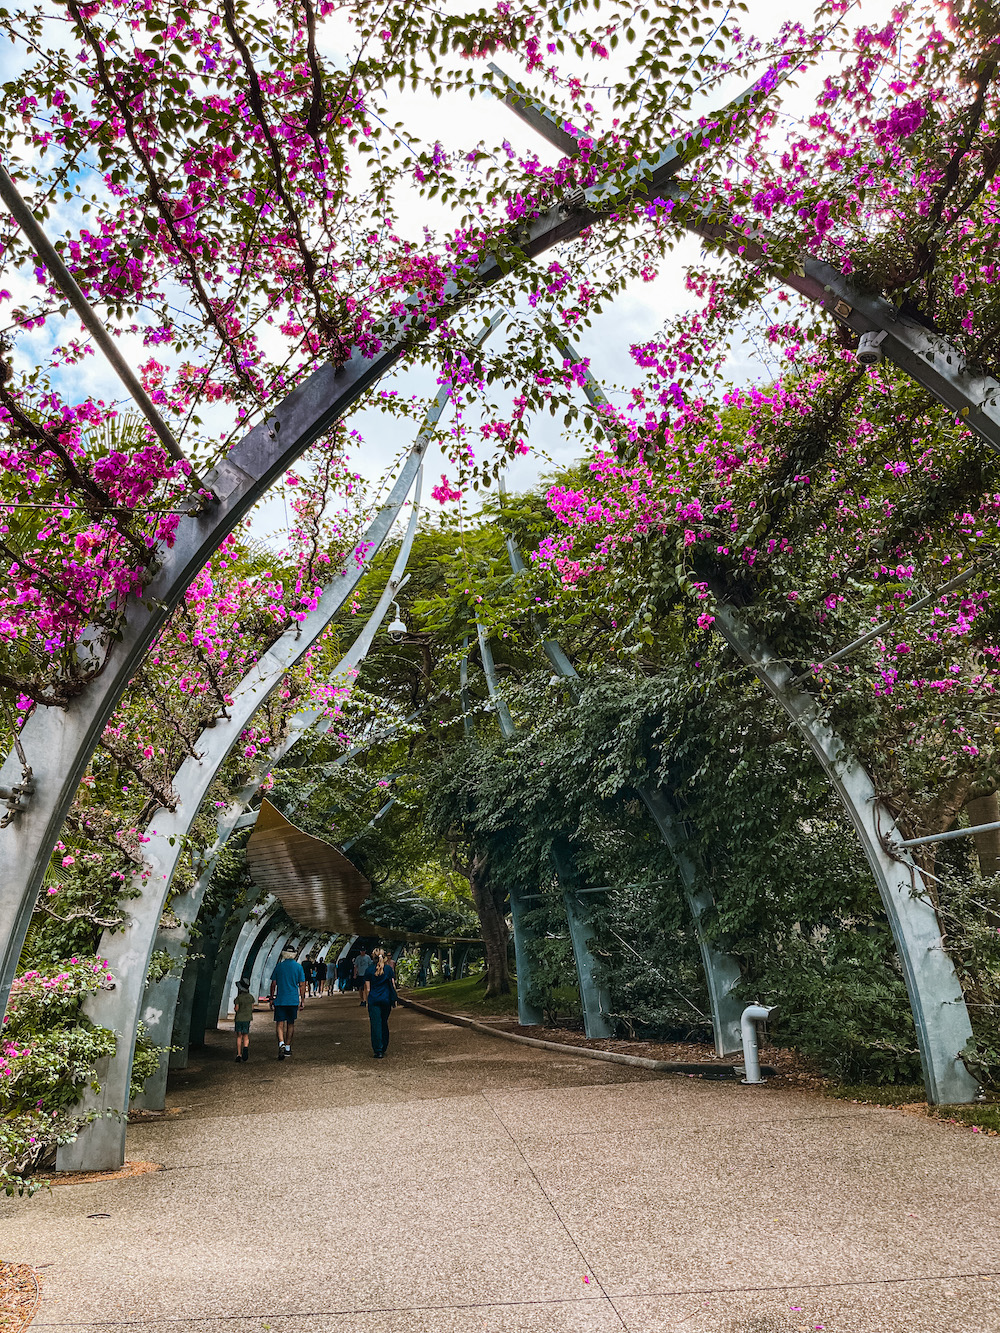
636 315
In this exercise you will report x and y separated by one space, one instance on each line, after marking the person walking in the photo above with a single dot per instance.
379 992
361 965
288 992
243 1005
343 974
319 978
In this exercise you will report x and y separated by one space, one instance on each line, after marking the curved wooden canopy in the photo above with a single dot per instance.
315 882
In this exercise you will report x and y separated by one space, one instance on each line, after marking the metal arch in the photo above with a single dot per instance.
160 999
239 954
271 936
939 1010
60 741
266 959
128 950
722 972
930 359
594 1000
219 939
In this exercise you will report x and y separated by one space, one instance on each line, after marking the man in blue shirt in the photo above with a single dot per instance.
288 991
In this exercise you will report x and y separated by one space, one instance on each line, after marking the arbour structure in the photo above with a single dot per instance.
59 742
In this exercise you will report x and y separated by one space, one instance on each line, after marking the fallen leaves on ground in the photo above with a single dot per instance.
19 1295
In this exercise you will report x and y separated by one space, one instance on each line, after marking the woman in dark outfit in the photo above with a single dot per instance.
379 990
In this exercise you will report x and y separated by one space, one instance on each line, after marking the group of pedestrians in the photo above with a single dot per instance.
373 975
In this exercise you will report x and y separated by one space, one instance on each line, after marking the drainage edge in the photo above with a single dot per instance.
726 1072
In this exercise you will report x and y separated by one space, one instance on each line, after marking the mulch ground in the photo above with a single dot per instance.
89 1177
19 1296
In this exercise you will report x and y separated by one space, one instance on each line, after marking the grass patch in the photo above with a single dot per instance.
467 996
985 1115
979 1115
879 1094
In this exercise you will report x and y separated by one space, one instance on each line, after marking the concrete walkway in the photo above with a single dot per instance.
472 1185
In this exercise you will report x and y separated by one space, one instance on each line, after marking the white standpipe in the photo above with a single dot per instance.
751 1016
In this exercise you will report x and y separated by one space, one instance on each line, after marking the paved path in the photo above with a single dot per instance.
467 1184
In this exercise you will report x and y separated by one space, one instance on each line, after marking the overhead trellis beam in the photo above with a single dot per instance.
53 261
128 950
928 358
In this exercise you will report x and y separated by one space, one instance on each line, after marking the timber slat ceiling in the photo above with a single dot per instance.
315 882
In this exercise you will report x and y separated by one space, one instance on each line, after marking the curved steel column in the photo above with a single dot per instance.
161 997
129 950
528 1013
267 958
939 1010
180 1043
240 962
722 972
193 998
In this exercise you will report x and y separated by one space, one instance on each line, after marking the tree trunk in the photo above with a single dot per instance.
493 921
986 810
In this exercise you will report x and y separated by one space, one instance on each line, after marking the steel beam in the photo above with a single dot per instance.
193 781
722 972
529 1014
236 959
939 1010
60 741
927 357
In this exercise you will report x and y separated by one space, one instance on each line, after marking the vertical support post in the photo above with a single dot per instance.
939 1010
192 1014
242 956
425 958
594 999
722 972
528 1012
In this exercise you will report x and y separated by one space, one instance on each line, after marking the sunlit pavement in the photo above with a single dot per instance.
468 1184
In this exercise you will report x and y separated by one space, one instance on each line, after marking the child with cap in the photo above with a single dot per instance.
244 1017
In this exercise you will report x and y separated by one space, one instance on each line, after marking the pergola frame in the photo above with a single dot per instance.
100 1145
60 741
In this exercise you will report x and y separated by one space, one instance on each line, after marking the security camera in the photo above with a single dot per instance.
869 351
397 628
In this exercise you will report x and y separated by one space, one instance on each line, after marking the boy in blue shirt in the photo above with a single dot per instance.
288 992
